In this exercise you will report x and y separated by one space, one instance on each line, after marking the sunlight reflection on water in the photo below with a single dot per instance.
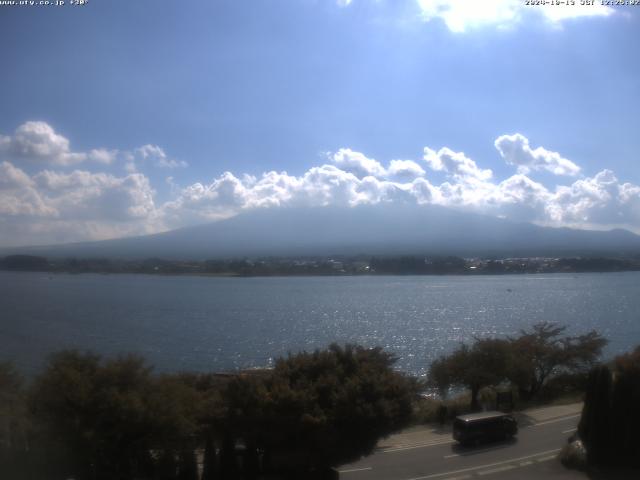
225 323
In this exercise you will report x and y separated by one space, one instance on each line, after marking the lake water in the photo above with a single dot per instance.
206 323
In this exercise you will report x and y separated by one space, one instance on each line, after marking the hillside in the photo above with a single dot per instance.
371 230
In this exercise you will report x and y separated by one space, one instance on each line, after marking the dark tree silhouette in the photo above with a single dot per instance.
528 361
611 416
103 420
543 352
317 410
482 364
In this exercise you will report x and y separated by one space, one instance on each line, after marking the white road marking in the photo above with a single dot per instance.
351 470
490 449
480 467
570 430
417 445
497 470
556 420
527 463
546 459
412 446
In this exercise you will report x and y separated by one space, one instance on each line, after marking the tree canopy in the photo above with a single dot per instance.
611 415
482 364
93 418
528 361
543 352
325 407
103 419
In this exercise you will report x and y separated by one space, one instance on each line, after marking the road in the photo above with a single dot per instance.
532 454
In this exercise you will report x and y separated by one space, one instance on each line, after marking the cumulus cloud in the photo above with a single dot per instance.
516 151
102 155
361 166
455 164
355 179
459 15
462 15
597 9
19 195
85 195
405 170
56 205
324 185
598 200
357 163
158 156
80 205
38 142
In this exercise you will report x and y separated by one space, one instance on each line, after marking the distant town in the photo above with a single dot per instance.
358 265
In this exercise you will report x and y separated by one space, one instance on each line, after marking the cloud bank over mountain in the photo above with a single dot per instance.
50 193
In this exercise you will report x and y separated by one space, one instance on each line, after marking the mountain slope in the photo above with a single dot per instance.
370 230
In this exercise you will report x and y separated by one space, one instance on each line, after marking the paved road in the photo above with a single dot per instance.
532 454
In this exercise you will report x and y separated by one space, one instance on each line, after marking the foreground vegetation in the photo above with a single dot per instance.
89 418
611 417
85 417
535 363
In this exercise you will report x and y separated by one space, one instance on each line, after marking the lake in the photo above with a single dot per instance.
212 323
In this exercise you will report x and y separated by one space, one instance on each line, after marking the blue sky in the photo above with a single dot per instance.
150 103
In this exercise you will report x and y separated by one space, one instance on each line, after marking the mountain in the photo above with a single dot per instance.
369 230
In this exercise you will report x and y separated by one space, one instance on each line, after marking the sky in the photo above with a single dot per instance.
122 118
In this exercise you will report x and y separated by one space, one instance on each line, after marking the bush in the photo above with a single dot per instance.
564 385
611 416
574 455
322 408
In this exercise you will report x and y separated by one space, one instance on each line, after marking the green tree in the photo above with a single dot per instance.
102 419
611 417
61 402
317 410
482 364
14 422
543 352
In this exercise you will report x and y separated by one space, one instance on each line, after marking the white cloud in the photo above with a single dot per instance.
599 200
85 195
405 170
150 151
19 196
516 151
343 3
158 156
459 15
518 198
597 9
171 163
101 155
456 164
58 205
357 163
38 142
462 15
320 186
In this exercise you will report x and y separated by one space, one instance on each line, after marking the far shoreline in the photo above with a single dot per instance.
309 275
